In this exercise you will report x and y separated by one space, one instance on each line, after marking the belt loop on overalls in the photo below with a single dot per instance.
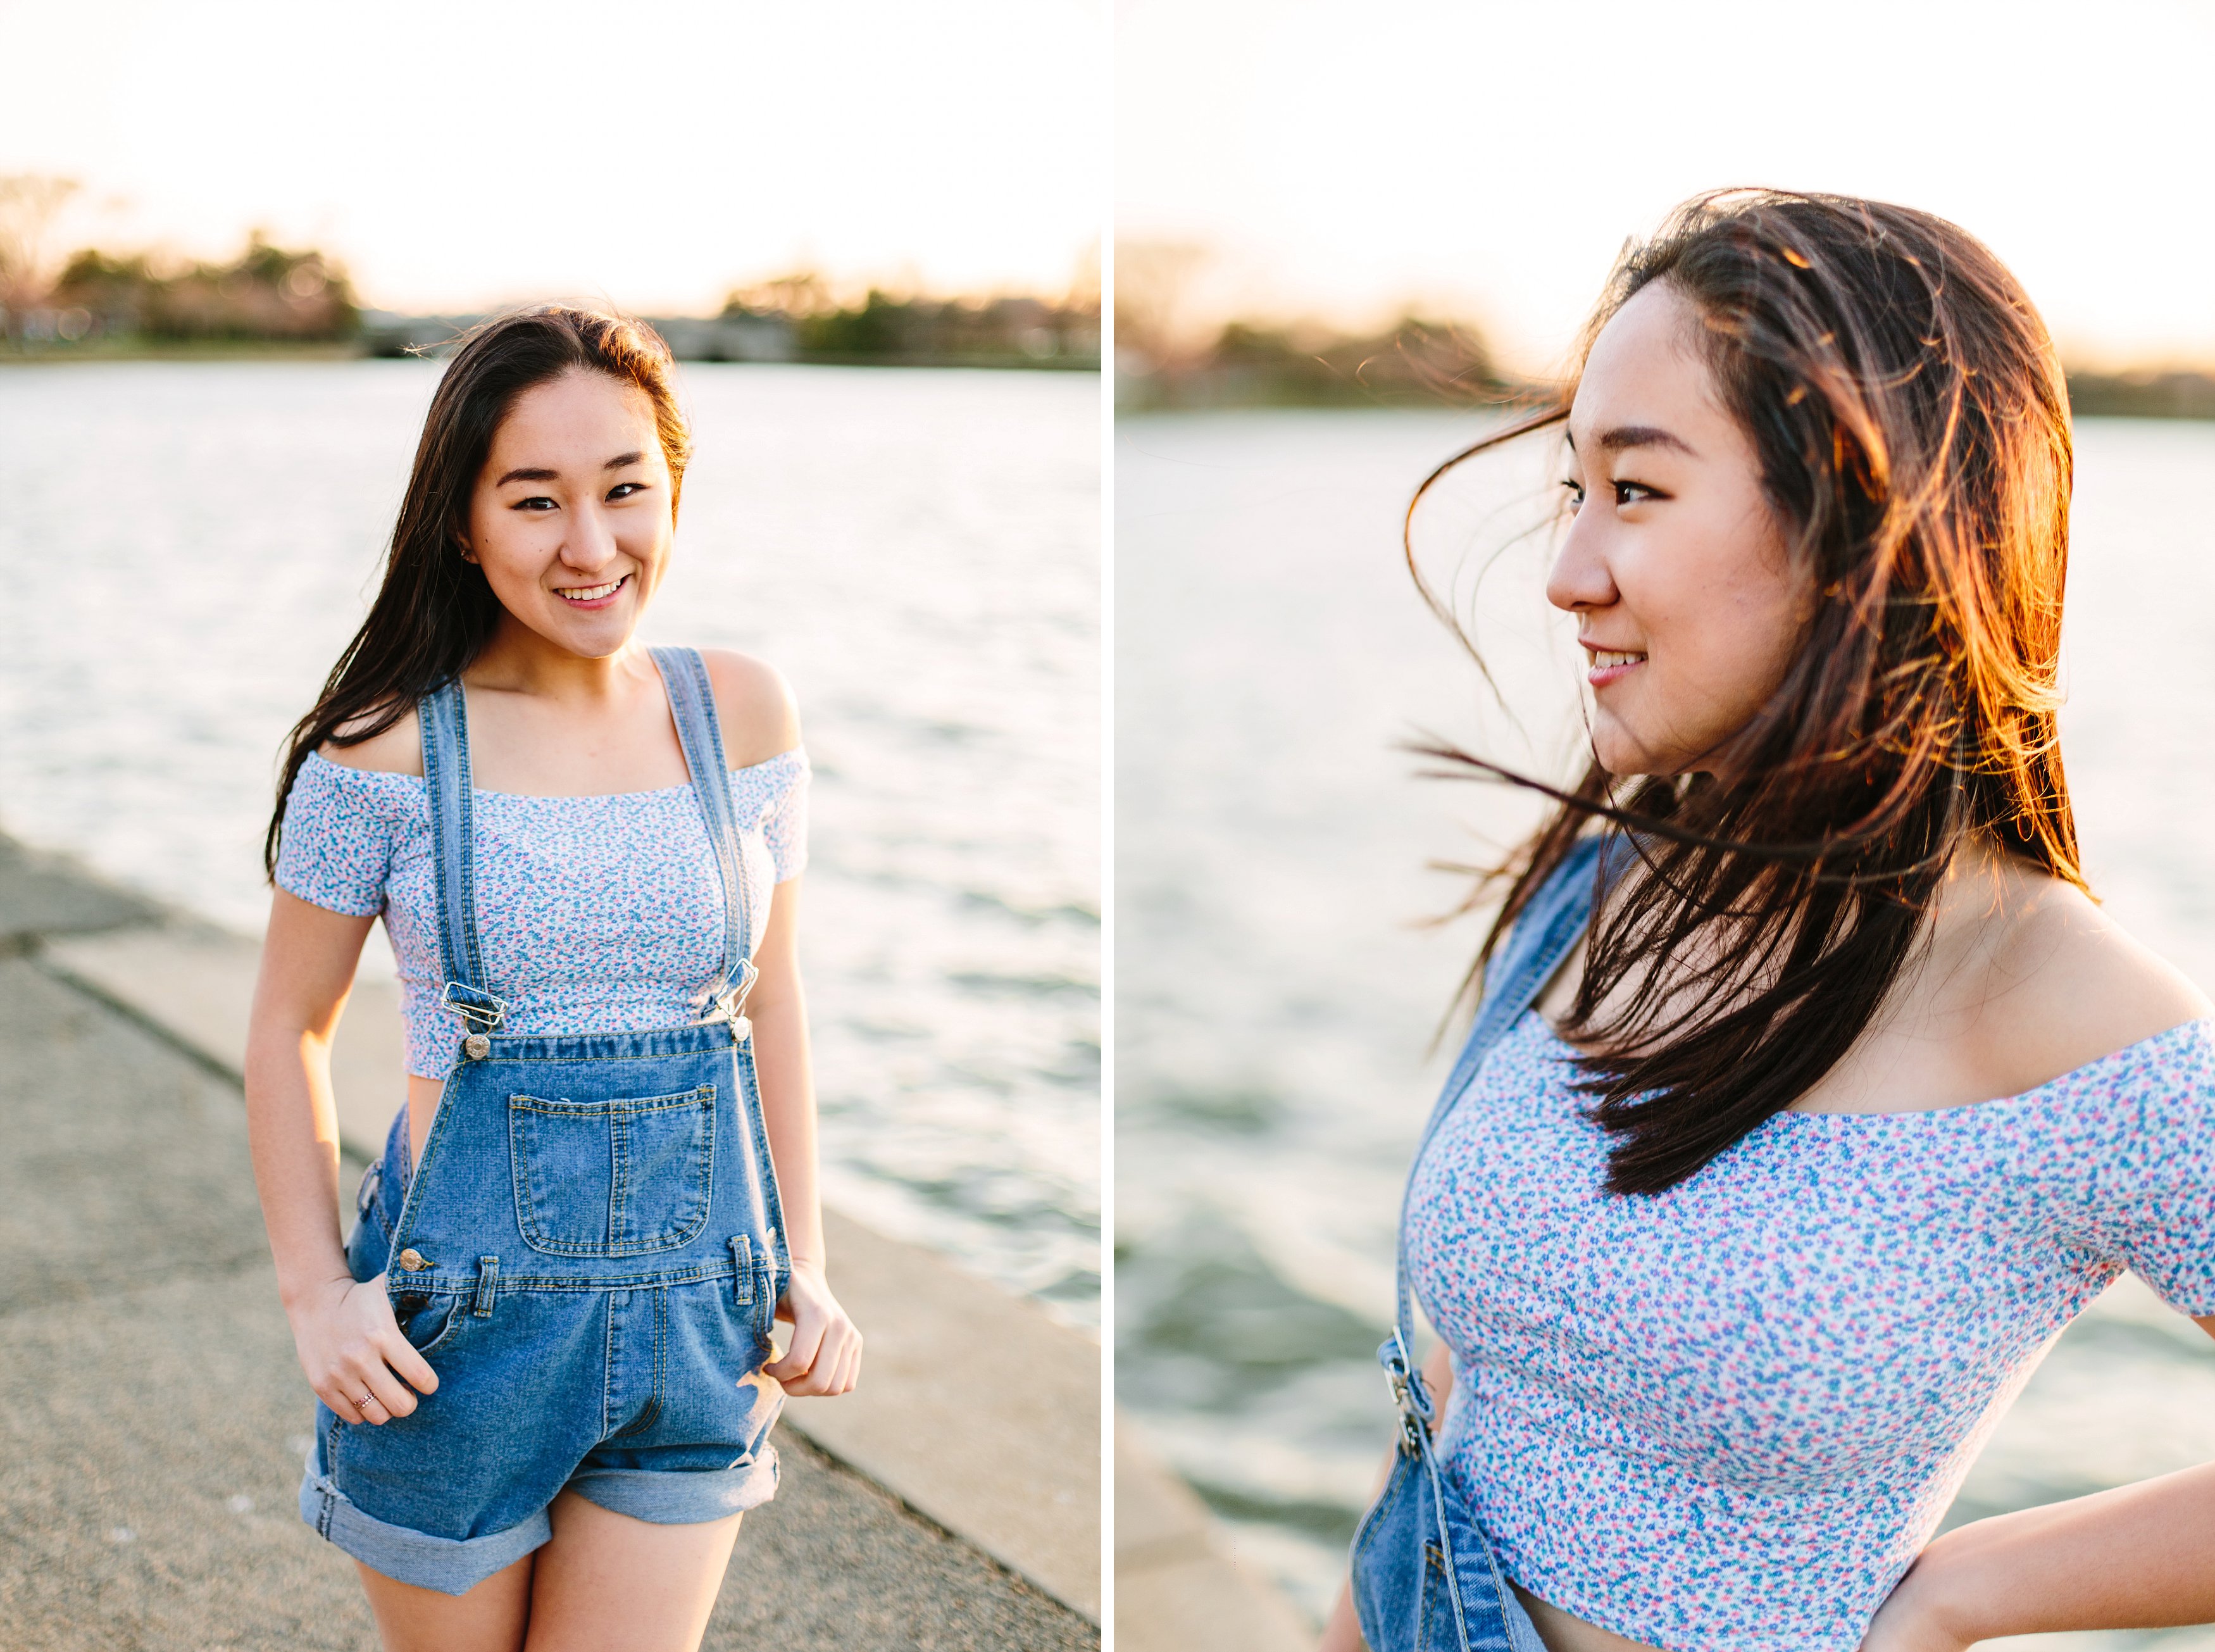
487 1286
742 1269
691 704
442 716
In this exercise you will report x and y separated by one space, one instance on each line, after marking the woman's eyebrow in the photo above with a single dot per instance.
538 473
1627 436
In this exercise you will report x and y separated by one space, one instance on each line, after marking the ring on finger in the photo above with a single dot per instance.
365 1401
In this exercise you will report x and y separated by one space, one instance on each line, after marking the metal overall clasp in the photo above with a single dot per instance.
481 1012
1409 1391
732 1006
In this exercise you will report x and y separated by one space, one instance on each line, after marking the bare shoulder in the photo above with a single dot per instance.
755 705
397 749
2071 985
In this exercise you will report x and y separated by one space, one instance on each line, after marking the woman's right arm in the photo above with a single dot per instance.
1343 1632
349 1344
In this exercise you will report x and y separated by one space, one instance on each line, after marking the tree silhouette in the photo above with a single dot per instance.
29 204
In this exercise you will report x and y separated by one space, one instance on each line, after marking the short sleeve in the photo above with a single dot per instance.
784 823
2153 1195
336 847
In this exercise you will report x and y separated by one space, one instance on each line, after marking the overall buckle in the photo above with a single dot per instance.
732 1006
1409 1391
482 1011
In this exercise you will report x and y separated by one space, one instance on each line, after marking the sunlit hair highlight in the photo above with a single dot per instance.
434 613
1911 425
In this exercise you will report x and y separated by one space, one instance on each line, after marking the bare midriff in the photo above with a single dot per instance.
1563 1633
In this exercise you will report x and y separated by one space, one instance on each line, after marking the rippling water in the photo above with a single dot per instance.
1277 989
187 547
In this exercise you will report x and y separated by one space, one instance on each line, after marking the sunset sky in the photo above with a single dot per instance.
1339 159
465 153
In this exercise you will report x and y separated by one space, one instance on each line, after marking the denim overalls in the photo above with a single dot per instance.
588 1256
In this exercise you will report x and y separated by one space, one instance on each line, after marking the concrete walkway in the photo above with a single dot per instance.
153 1414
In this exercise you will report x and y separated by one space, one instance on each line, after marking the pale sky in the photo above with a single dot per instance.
468 152
1340 157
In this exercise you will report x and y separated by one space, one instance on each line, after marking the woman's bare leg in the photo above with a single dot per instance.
609 1580
491 1618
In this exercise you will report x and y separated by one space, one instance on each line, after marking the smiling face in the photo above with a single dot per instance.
1688 605
573 513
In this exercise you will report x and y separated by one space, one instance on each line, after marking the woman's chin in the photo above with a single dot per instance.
593 634
1618 752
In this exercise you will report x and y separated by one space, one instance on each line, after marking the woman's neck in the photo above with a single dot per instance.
518 661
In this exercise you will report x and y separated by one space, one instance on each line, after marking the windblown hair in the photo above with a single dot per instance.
434 612
1911 426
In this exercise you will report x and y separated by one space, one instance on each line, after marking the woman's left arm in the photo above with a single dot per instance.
2137 1557
825 1353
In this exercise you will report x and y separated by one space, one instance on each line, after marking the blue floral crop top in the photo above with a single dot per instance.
596 913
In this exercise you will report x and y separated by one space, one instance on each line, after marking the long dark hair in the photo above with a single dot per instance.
434 613
1911 425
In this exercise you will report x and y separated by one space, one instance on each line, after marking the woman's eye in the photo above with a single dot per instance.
535 502
1576 491
625 490
1632 493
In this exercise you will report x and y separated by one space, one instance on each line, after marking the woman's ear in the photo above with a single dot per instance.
462 544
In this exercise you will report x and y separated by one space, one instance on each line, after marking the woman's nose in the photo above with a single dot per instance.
591 542
1579 577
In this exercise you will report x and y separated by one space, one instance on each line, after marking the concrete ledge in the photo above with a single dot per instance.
194 984
1174 1585
43 895
976 1408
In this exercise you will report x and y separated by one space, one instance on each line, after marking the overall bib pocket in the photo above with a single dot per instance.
618 1177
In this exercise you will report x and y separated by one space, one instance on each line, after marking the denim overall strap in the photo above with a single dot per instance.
1544 934
1421 1547
444 718
692 704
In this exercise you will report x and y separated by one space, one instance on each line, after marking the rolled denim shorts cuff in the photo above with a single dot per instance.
680 1496
450 1565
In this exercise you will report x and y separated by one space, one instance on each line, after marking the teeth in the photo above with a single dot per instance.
1603 659
590 593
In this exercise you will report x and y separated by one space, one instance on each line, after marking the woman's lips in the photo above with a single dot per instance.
603 593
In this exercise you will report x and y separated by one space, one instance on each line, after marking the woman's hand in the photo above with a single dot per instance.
825 1353
350 1348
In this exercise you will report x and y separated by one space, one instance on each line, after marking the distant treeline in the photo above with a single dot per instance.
953 332
266 293
105 304
2143 395
882 330
1414 363
1426 363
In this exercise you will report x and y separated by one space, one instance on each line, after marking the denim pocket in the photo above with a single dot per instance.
427 1321
612 1178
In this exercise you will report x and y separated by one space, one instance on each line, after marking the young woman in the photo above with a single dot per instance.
543 1357
1813 1099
